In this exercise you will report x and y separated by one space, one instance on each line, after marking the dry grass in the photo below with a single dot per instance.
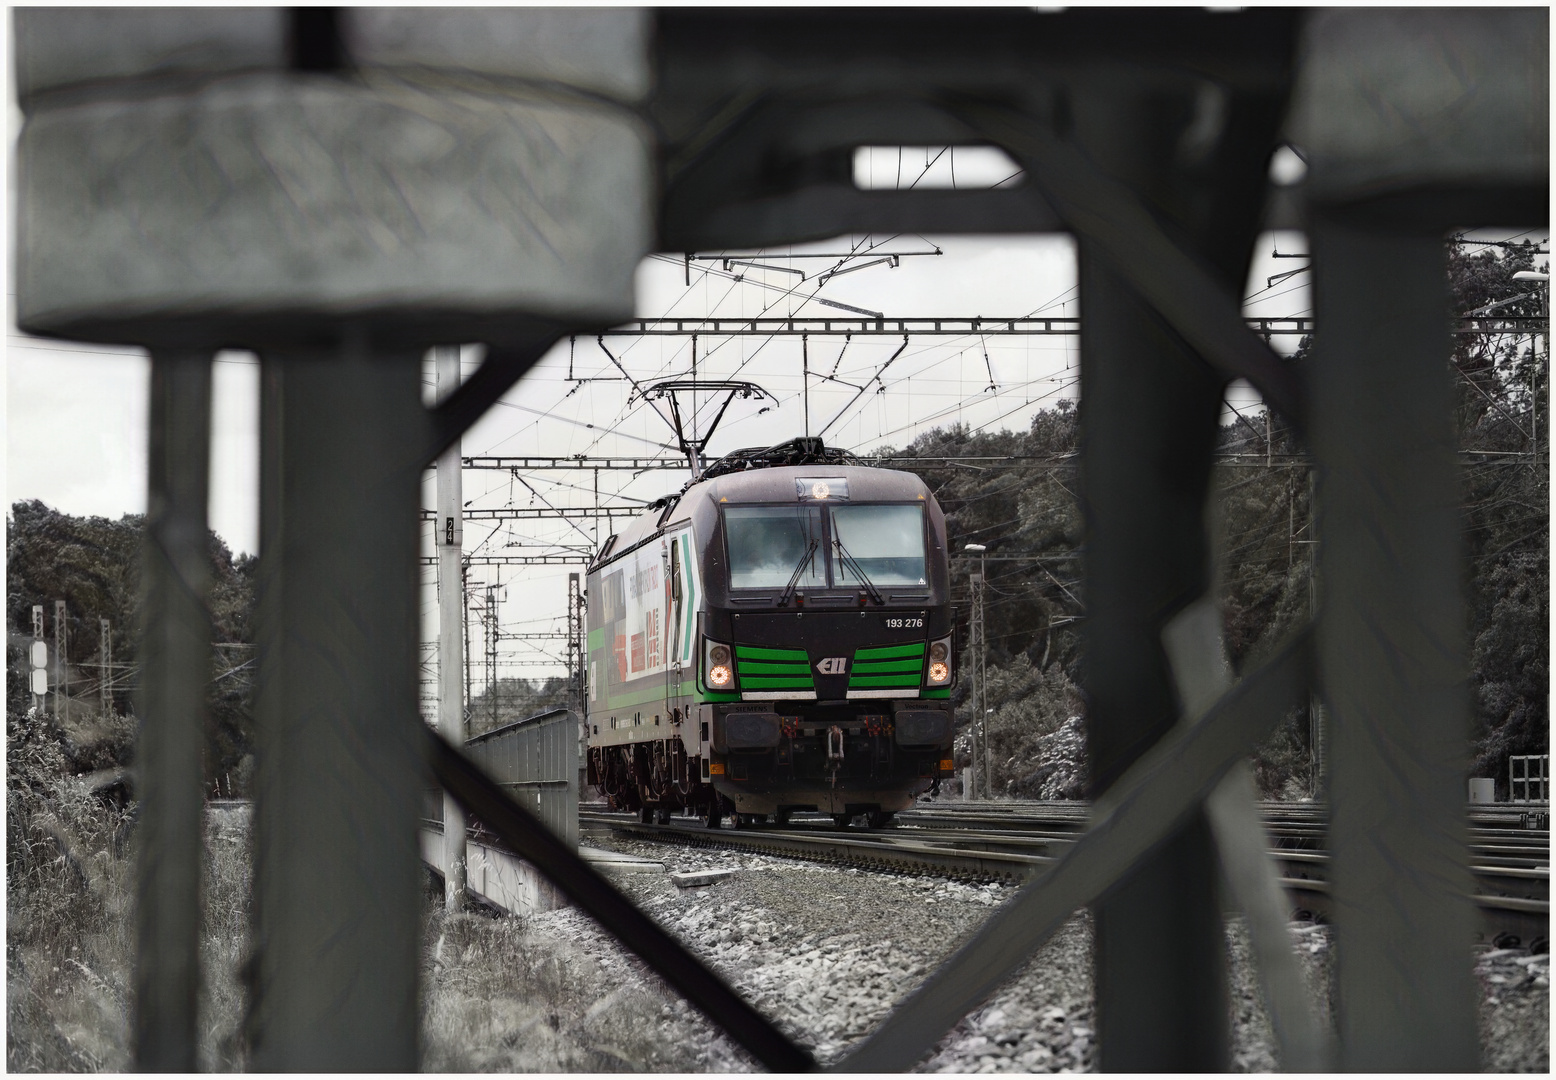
68 902
69 920
496 997
499 997
224 941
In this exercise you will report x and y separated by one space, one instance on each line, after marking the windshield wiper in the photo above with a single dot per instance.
848 561
799 569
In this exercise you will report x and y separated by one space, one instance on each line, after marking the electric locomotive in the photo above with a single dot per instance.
776 637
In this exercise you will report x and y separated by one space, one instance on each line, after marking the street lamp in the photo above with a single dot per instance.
978 735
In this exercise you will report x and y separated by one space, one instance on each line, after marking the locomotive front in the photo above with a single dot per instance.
827 658
807 649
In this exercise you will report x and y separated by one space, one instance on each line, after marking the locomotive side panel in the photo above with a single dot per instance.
643 632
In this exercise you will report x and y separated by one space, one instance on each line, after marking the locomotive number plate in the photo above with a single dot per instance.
904 622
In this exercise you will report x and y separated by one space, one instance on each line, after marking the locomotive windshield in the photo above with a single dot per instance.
886 542
768 544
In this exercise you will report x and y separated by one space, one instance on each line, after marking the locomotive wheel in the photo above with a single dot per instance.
879 819
646 815
782 816
712 814
662 816
842 821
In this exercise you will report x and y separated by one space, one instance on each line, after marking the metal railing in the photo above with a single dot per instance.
1529 778
1146 137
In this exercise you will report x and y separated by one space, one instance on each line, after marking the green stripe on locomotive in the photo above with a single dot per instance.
887 667
757 652
754 667
888 652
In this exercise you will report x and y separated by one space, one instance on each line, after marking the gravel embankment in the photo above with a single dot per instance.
829 950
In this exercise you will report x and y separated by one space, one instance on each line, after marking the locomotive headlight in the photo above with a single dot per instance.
939 663
718 670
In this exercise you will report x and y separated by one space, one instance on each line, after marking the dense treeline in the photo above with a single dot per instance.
93 564
1503 405
515 699
1028 514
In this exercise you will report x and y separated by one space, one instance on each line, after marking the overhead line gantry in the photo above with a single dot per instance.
1023 326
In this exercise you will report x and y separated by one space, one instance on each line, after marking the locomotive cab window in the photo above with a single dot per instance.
768 544
886 542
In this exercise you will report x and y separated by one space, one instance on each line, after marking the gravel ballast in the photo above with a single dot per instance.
828 950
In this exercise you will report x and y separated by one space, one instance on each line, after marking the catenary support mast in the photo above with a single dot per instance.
451 637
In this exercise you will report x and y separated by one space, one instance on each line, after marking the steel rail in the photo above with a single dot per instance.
1005 856
877 850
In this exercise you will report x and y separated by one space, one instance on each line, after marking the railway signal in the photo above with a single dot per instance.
40 658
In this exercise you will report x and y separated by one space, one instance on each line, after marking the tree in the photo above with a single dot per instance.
93 564
516 700
1503 394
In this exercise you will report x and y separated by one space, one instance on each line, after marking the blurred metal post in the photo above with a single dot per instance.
1159 950
1149 431
1148 434
175 667
451 645
1392 652
337 784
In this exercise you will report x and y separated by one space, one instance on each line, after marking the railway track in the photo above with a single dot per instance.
1011 842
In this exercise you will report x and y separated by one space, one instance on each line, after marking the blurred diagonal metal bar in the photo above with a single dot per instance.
1200 669
176 664
1195 649
1175 281
1254 879
1144 808
529 838
502 367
